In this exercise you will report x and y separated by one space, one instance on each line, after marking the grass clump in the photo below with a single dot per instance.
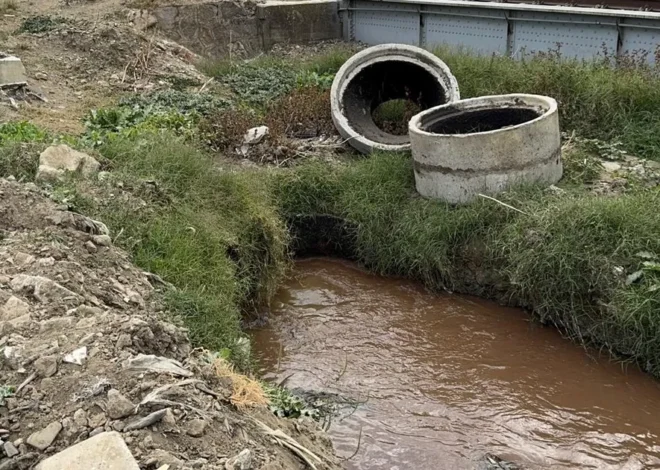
212 234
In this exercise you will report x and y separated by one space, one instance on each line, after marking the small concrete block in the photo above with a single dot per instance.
105 451
12 71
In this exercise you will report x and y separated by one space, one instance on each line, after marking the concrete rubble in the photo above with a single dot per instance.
56 161
12 71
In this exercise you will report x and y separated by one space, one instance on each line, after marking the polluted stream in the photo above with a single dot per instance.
436 381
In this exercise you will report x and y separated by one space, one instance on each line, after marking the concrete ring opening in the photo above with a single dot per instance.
485 145
377 91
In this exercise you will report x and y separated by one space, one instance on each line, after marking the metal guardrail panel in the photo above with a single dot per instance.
387 23
505 28
478 30
577 36
640 38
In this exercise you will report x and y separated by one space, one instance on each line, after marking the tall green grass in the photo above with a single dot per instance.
213 234
566 258
596 99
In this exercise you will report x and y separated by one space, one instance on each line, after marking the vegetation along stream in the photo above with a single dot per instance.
441 380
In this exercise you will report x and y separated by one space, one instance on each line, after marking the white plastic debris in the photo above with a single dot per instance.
255 135
162 365
78 356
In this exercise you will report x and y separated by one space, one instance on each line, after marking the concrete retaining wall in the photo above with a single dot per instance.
219 29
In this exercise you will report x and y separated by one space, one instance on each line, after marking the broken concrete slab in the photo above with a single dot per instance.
12 71
55 161
105 451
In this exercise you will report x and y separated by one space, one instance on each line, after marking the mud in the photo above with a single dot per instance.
446 379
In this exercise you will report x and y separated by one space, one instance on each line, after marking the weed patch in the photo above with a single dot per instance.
40 24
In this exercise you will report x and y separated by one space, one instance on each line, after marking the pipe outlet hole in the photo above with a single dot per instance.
393 116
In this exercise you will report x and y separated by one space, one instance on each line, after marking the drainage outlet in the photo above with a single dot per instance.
378 90
485 145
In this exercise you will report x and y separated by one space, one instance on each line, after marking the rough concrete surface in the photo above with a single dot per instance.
462 149
243 29
298 22
12 71
380 74
105 451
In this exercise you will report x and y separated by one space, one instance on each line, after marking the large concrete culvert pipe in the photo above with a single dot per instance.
381 74
485 145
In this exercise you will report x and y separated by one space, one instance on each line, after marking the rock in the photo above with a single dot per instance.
56 324
105 451
96 432
255 135
118 405
46 366
160 457
89 246
157 364
10 449
23 259
169 418
41 288
611 167
20 322
80 418
242 461
13 308
124 341
196 427
56 161
102 240
148 420
97 420
44 438
77 356
493 462
41 76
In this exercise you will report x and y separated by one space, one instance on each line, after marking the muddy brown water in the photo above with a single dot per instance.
444 379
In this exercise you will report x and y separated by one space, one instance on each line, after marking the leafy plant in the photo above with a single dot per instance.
285 404
6 391
40 24
309 78
260 85
22 131
186 103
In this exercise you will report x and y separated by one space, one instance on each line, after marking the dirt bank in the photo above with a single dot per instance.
76 315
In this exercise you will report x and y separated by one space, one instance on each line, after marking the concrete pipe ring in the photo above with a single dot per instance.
485 145
379 75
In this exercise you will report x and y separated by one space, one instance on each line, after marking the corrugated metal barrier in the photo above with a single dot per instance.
504 28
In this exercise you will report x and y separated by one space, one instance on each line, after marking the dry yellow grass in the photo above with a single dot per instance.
246 392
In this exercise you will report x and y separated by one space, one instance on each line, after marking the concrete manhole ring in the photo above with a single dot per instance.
380 74
485 145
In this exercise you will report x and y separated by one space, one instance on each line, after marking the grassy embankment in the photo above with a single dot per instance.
221 238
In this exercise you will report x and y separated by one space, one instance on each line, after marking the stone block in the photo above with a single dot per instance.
105 451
